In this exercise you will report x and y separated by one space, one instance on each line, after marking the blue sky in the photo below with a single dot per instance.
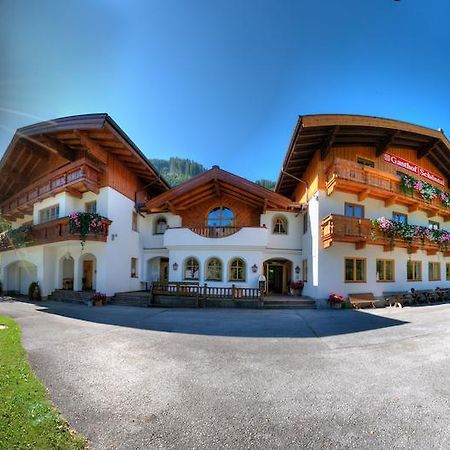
222 82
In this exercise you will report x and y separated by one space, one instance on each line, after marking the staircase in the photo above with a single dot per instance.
138 298
79 297
289 303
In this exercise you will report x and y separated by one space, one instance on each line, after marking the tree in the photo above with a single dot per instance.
269 184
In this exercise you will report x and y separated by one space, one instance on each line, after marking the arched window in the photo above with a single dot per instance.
191 269
280 225
214 269
160 225
221 217
237 270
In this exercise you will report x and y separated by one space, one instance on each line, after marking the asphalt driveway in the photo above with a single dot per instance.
138 378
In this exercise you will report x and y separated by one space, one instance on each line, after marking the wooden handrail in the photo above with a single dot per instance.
80 170
55 231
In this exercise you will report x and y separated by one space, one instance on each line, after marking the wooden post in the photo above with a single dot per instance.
233 292
205 291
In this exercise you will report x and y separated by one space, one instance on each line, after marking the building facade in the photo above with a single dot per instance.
340 174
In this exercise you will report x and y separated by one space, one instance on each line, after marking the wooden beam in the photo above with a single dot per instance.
412 250
363 195
390 201
95 149
328 143
58 147
428 148
413 208
74 192
360 245
172 208
388 248
386 143
265 206
217 188
431 252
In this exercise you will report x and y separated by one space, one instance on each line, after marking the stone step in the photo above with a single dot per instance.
313 306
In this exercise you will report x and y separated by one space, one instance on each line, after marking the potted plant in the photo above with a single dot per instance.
336 301
297 287
34 291
99 299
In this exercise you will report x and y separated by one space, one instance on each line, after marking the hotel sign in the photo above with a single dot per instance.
413 168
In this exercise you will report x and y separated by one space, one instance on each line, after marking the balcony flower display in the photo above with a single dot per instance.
83 223
406 232
427 191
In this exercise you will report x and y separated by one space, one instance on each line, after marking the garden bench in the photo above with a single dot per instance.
397 298
362 299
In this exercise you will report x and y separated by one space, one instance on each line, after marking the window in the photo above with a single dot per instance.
355 270
305 270
385 270
353 210
365 162
237 270
400 217
414 271
305 222
214 269
134 267
134 221
160 226
280 225
434 271
221 217
50 213
91 207
191 269
447 271
433 225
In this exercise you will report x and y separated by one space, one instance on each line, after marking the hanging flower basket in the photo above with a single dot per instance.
84 223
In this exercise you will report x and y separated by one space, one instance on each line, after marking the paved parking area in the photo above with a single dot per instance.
138 378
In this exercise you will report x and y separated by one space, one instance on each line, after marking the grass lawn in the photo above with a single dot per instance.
27 417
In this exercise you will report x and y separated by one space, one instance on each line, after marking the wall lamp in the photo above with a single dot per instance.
254 268
175 266
297 270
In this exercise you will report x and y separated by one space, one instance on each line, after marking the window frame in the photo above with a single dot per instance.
244 270
45 210
346 204
185 267
414 279
88 205
400 214
305 270
377 273
157 221
134 221
432 223
134 265
447 271
432 264
221 218
305 222
362 158
220 268
354 259
275 222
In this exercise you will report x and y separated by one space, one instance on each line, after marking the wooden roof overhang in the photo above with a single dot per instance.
324 131
216 183
64 140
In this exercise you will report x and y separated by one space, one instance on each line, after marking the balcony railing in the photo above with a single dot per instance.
81 175
46 233
338 228
348 176
215 232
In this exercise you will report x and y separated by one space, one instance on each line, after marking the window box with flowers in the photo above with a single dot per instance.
337 301
85 223
297 287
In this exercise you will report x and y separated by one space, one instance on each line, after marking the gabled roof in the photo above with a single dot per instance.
215 183
323 131
32 148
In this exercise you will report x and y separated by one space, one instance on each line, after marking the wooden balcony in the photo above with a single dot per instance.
47 233
215 232
76 178
338 228
348 176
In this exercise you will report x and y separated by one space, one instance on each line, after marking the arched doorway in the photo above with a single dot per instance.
278 273
157 269
88 272
67 271
19 276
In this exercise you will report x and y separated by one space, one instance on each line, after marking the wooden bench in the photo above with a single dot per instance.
361 300
397 298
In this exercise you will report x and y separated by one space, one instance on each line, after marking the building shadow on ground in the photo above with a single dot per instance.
227 322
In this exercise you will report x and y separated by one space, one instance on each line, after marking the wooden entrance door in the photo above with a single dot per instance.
275 278
164 270
88 275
